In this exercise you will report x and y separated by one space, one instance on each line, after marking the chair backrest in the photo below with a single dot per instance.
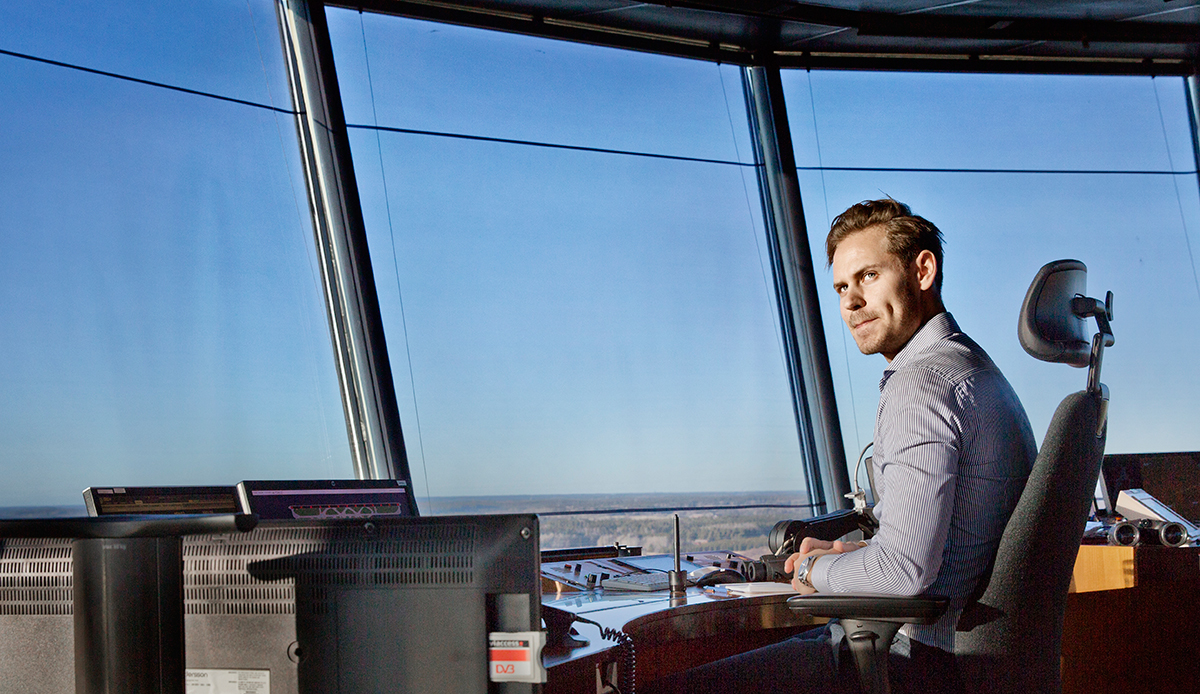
1010 638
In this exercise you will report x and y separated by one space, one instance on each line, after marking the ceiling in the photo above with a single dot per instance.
1070 36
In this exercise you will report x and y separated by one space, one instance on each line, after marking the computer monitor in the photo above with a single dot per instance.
300 607
326 499
1172 478
110 501
386 604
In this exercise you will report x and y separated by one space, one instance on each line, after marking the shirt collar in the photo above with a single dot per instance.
935 330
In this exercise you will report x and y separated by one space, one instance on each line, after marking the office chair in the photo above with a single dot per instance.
1009 638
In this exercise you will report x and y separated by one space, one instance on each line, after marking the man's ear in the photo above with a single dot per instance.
926 268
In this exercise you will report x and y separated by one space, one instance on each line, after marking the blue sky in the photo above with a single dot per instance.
1137 233
558 321
164 324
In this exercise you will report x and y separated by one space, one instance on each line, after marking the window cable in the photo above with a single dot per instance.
812 101
387 203
1175 179
306 319
139 80
767 284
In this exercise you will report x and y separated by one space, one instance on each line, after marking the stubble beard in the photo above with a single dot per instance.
894 336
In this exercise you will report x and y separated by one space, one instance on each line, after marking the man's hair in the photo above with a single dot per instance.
907 233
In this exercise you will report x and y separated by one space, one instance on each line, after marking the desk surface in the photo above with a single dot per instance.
1130 623
1101 567
1151 589
670 634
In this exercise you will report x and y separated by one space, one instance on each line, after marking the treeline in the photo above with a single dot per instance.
588 520
743 531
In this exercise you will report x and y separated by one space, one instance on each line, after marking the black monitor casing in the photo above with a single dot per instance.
395 605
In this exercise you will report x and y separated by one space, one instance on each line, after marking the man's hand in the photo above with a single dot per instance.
812 547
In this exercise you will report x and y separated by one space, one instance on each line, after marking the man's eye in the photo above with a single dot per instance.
869 275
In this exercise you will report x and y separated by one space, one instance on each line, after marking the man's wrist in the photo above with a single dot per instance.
804 571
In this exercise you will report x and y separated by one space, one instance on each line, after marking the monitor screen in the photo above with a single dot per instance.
1172 478
326 499
108 501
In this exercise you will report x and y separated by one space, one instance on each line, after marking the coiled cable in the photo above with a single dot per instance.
628 674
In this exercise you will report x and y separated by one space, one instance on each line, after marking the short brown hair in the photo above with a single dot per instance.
907 233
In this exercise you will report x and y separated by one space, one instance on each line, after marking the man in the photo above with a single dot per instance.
953 449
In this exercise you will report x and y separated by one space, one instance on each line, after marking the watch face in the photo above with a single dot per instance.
803 570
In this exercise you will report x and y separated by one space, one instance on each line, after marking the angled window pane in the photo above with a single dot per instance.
1109 181
225 47
450 79
955 121
572 330
163 319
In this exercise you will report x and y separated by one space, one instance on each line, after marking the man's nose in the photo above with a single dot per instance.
852 299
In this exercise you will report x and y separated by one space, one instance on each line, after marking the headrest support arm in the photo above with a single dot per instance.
1084 307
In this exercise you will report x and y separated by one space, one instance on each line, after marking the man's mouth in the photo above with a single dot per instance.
862 323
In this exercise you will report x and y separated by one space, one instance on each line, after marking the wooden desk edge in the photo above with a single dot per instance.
1103 567
708 618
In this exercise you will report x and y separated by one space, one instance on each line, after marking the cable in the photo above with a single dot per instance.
138 80
1178 197
302 228
628 674
858 495
916 169
812 101
750 213
549 145
387 204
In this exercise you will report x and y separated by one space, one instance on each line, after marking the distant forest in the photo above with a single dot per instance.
738 522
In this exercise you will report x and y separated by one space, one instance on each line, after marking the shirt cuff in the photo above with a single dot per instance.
818 576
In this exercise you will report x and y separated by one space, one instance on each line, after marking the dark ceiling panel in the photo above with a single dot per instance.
1116 36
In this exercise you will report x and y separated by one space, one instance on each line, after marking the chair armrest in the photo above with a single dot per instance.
925 609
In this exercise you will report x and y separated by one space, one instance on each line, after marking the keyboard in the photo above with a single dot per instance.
656 580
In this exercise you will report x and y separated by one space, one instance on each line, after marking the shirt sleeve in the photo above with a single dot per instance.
917 439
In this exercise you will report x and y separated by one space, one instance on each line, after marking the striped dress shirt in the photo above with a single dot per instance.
953 449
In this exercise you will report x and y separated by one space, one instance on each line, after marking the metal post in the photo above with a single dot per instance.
796 290
356 326
1191 86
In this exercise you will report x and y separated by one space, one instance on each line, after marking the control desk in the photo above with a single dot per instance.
668 634
1130 624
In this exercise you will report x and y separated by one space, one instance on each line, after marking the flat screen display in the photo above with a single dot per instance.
326 499
1172 478
110 501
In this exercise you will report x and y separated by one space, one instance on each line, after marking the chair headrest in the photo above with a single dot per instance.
1049 328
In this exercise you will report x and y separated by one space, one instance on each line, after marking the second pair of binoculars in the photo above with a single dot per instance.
1129 533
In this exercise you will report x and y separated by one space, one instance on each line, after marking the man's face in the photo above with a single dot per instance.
879 295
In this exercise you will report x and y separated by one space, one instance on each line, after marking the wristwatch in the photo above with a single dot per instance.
805 568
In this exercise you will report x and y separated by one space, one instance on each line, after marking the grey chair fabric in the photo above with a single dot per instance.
1009 640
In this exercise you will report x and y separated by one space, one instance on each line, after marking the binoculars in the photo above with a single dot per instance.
785 538
1130 533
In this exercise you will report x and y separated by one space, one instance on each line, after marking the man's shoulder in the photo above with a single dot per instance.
953 356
